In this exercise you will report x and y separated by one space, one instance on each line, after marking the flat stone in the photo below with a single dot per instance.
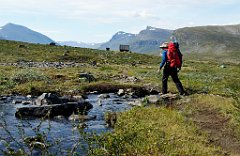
169 96
53 110
74 117
154 98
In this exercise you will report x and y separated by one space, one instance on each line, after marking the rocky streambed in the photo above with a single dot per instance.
21 116
59 118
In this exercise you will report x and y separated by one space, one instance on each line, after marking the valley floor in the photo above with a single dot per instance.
207 122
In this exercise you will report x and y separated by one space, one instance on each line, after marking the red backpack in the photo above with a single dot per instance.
173 56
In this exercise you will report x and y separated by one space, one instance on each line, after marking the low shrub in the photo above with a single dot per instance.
27 75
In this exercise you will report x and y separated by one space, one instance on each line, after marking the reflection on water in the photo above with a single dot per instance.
55 129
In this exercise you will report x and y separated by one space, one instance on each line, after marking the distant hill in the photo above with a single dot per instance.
79 44
147 40
15 32
213 39
201 39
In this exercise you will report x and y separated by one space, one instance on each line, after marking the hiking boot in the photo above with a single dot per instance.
184 94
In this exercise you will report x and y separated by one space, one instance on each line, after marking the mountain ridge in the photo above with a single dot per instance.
146 40
200 39
209 38
21 33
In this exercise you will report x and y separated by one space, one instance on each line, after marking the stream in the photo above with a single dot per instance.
57 128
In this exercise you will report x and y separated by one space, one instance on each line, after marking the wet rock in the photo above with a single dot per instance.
17 101
60 117
29 96
103 96
93 92
121 92
53 110
79 117
82 125
48 99
127 96
100 103
26 102
131 93
3 98
66 99
79 97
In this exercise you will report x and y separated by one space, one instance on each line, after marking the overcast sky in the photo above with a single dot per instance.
97 20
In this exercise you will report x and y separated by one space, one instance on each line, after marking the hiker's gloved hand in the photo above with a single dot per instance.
159 70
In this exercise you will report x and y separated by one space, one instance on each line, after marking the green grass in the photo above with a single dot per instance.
196 76
140 131
154 131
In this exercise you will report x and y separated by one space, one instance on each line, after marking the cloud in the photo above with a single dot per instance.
111 15
115 10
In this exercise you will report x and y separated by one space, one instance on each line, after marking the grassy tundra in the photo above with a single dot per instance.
207 122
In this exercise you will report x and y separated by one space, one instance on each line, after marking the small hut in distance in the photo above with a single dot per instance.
123 47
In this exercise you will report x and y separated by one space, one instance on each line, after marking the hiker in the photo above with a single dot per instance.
172 62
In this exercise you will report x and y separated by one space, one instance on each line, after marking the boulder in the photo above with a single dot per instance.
48 99
121 92
53 110
66 99
88 77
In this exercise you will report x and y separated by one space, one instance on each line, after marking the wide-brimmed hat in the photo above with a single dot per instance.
164 45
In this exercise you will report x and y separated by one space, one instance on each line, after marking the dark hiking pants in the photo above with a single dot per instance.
174 74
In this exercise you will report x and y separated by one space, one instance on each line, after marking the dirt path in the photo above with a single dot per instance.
217 126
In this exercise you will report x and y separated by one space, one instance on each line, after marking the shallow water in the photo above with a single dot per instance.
62 129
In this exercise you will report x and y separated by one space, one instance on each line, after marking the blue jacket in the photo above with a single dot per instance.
164 58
